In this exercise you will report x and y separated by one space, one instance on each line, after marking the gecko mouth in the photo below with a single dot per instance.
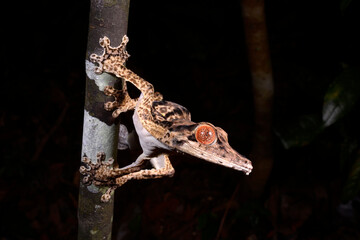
230 158
240 164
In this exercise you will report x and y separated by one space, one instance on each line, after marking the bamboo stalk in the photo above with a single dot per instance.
100 132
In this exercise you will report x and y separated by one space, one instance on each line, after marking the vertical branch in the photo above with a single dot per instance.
262 81
100 132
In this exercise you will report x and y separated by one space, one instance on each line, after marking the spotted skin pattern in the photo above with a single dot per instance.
168 124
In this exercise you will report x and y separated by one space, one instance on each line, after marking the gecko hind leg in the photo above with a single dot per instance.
101 172
166 171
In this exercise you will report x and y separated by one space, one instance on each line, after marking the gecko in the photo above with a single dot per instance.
163 128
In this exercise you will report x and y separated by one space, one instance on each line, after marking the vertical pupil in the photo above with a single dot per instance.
206 134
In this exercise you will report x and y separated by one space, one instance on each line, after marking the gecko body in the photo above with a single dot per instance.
163 127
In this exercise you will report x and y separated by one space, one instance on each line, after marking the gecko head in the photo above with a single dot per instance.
205 141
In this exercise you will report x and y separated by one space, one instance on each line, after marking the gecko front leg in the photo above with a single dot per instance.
110 56
113 61
122 101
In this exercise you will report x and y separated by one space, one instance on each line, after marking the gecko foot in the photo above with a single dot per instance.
98 172
102 173
123 102
113 55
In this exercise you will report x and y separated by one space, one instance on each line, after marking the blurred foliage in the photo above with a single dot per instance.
301 132
352 185
341 96
341 101
344 4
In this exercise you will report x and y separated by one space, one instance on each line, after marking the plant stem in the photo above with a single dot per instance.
100 132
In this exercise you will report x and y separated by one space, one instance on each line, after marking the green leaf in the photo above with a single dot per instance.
352 185
344 5
301 132
341 96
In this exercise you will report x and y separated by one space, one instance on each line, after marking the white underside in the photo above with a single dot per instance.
148 143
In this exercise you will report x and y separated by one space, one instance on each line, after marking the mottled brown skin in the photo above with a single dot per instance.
167 122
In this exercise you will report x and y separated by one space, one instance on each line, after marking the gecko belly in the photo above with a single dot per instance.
149 144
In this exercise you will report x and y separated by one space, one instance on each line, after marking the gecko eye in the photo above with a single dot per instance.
205 134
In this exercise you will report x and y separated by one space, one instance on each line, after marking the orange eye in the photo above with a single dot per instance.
205 134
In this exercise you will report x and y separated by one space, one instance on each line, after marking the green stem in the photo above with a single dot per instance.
100 132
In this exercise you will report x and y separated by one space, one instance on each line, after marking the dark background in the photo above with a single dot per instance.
194 53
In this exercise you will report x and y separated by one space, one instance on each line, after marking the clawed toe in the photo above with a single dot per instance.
107 195
91 170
